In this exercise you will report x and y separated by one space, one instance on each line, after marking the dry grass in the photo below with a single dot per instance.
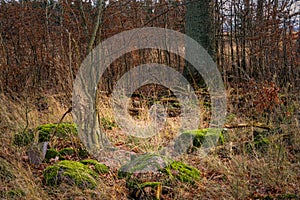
225 174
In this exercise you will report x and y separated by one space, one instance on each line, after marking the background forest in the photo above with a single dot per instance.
255 44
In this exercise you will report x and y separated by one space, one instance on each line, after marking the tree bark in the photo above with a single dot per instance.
199 26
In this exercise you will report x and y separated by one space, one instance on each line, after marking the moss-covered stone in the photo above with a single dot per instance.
67 151
99 167
143 164
154 163
6 171
182 172
191 139
201 134
71 172
45 132
52 153
62 130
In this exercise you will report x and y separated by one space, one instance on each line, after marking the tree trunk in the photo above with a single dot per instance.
199 26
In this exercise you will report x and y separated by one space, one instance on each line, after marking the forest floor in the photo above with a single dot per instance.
259 159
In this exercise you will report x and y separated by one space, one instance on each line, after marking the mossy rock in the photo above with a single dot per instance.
99 167
72 173
191 139
182 172
45 131
63 130
143 164
67 151
6 171
157 164
52 153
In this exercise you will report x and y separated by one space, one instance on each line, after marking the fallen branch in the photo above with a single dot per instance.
245 125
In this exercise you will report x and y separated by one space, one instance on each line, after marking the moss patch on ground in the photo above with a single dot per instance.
143 164
72 173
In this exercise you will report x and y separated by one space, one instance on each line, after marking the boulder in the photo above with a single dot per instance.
72 173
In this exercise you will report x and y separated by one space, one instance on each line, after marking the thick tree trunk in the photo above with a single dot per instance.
199 26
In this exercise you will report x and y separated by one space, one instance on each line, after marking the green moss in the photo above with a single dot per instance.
45 131
182 172
71 172
67 151
141 164
82 153
62 130
200 135
6 173
89 162
99 168
149 184
192 139
52 153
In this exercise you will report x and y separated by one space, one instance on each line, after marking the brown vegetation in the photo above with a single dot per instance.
42 45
